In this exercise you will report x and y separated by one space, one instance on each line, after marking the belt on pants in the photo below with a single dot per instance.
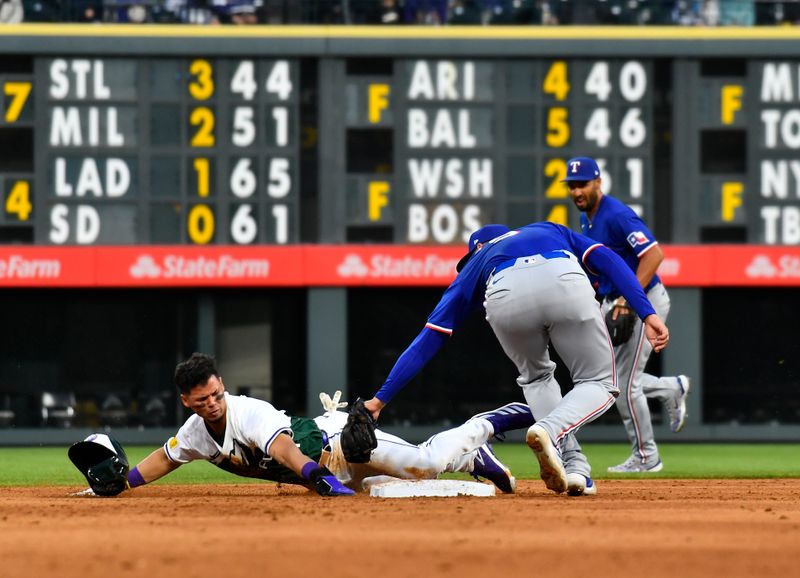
530 259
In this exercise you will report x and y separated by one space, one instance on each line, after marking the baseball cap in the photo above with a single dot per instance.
581 169
485 233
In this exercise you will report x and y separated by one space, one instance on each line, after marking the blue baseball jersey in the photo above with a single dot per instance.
467 292
619 228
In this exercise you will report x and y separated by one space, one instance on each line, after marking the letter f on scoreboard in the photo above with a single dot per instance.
730 102
378 101
377 199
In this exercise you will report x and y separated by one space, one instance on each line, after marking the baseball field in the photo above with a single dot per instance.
715 510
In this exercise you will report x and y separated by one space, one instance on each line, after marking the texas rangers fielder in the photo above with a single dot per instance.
614 224
534 289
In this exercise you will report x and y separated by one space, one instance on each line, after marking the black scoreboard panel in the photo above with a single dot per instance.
479 140
153 150
16 150
740 124
168 135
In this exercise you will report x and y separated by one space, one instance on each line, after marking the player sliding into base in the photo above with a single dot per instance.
249 437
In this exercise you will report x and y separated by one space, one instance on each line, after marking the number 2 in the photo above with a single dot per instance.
203 118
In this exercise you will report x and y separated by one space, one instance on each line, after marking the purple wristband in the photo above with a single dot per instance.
307 469
135 478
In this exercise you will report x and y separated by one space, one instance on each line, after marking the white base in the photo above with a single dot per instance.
389 487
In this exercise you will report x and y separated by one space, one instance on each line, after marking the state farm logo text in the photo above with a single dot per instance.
180 267
388 267
18 267
787 266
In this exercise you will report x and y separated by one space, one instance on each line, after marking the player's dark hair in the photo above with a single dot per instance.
196 370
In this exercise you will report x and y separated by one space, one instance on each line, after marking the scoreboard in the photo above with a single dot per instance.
747 114
161 151
476 141
412 136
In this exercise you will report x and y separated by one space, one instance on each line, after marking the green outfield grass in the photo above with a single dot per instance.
50 466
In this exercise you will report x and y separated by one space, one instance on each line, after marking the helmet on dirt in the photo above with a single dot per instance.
101 459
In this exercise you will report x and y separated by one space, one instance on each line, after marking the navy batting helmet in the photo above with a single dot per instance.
101 459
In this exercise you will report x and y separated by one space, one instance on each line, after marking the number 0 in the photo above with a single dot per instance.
201 224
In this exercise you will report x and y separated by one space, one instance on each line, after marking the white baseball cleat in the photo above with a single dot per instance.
551 469
580 485
634 465
677 408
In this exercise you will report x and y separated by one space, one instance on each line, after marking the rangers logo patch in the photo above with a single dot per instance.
637 238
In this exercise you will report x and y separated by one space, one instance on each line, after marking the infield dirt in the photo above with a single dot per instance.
631 528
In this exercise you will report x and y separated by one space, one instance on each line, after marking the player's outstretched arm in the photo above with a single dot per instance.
656 331
284 450
155 466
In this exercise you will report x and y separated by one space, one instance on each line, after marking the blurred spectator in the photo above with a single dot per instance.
512 12
86 10
425 11
42 10
236 11
414 12
11 11
465 12
737 13
771 13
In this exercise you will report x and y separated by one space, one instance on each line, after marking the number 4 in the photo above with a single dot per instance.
19 200
279 80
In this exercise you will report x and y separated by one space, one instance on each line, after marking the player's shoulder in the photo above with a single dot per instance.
244 403
192 428
613 206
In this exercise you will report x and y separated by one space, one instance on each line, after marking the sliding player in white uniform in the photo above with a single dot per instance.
249 437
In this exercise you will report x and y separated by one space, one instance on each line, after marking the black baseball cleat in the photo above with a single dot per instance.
486 465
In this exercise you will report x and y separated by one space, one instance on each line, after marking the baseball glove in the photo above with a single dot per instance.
621 328
358 435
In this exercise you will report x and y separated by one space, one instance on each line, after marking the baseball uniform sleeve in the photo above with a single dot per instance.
190 443
635 232
448 314
605 261
411 362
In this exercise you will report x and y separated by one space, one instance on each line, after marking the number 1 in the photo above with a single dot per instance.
202 170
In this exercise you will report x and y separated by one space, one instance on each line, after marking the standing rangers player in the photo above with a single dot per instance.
611 222
534 289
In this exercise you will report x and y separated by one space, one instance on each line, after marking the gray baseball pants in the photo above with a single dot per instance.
636 386
531 304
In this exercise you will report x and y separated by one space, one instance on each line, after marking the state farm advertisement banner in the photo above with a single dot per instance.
730 265
381 265
180 266
345 266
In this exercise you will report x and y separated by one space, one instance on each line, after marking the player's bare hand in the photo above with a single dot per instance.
620 310
374 406
656 332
